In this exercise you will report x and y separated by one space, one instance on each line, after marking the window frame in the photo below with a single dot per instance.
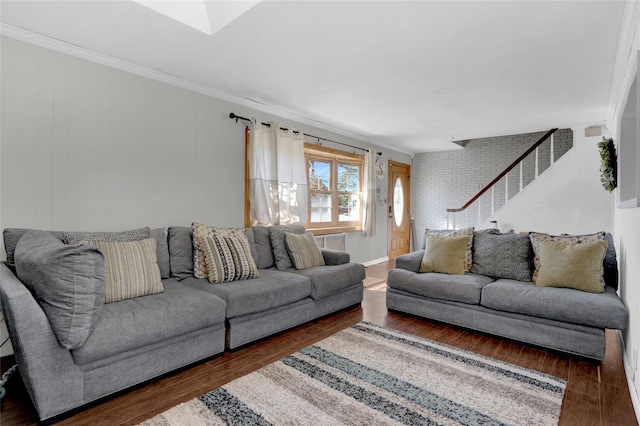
334 157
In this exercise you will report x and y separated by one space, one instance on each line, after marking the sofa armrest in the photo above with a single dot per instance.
335 257
410 261
52 379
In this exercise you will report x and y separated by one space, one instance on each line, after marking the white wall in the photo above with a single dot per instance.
566 198
89 147
627 221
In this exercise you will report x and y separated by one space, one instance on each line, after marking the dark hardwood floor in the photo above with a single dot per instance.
596 394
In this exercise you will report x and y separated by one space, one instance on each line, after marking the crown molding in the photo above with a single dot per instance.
109 61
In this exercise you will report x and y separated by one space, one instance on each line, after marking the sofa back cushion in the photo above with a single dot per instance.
610 263
12 235
264 253
181 251
68 281
502 255
11 238
160 234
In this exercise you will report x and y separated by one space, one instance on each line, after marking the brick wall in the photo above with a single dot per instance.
448 179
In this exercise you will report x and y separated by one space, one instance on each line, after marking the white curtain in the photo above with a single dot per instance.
369 216
277 176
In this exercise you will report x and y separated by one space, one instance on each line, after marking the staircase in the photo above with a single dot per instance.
491 198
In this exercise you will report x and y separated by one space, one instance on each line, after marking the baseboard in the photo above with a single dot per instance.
629 373
375 261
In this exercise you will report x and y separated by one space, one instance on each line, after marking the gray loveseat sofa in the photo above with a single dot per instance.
561 319
134 340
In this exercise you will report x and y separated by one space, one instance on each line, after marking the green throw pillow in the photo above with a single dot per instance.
446 255
577 266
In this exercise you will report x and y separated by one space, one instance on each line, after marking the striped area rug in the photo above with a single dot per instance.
373 375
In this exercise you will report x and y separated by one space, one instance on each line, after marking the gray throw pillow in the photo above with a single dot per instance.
502 256
68 281
276 233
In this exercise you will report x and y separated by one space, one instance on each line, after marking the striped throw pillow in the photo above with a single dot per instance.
303 250
199 230
228 258
131 268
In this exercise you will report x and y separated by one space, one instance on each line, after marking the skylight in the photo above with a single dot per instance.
208 17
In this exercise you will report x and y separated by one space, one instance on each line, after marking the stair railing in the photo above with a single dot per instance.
451 213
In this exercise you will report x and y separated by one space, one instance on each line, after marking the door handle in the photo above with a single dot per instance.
390 210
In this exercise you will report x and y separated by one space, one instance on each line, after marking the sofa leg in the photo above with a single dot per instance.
5 379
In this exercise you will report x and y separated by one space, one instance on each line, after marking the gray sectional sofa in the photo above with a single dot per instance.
561 319
134 340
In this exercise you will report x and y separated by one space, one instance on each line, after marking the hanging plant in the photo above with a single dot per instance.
609 164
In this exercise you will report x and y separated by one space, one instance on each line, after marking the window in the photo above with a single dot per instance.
335 190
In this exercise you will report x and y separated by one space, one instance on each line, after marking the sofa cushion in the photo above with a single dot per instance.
465 288
131 268
180 251
252 243
67 281
502 255
280 254
160 234
610 263
576 266
138 323
133 235
303 250
331 279
467 232
445 254
12 236
264 258
228 258
602 310
273 289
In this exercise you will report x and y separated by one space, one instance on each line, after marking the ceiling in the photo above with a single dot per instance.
413 75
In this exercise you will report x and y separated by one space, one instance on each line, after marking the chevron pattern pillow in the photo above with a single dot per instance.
228 258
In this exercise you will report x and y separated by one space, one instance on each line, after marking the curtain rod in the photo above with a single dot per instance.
237 117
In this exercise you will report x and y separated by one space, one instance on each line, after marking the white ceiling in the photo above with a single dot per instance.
415 75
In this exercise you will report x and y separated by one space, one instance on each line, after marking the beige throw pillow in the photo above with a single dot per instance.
446 255
467 232
577 266
200 230
131 268
303 250
228 258
537 237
